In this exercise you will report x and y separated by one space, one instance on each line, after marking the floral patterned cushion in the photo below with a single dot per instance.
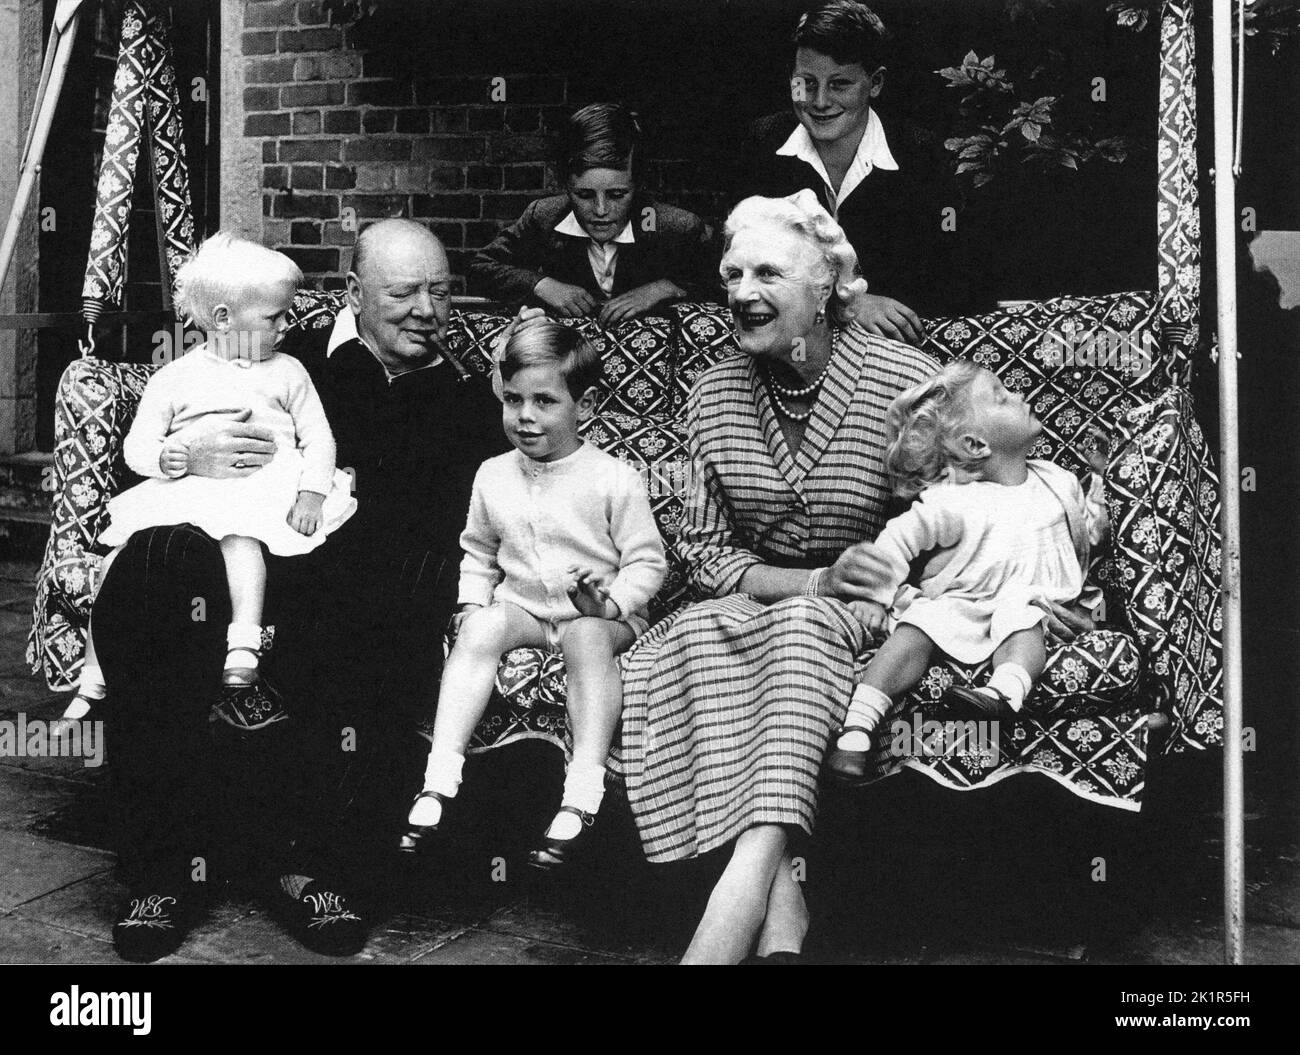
1086 723
1082 363
637 356
94 406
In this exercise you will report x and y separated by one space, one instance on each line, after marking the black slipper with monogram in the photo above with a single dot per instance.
324 919
153 922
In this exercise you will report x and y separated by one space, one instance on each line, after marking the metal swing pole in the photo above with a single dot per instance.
1225 270
58 54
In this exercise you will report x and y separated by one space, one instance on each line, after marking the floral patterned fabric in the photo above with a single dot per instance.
145 107
1086 724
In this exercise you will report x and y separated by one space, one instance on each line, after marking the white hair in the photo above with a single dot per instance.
803 214
224 270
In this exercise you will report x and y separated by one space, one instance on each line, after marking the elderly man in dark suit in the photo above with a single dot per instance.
357 653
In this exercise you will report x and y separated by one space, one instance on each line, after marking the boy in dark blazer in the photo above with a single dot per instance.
602 248
886 187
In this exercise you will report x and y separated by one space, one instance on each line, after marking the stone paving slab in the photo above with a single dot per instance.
28 941
1183 941
27 796
31 866
552 925
480 946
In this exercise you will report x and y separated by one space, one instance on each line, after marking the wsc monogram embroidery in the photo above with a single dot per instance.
329 908
149 912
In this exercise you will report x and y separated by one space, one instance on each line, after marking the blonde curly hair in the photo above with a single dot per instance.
923 430
803 214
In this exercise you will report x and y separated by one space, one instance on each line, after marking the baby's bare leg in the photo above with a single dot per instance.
900 662
895 668
485 636
595 701
595 690
1026 648
1017 665
470 672
246 575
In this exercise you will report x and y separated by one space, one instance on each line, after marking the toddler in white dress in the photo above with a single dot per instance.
239 293
1008 534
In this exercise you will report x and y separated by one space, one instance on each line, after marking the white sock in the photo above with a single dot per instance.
243 640
867 709
1013 681
584 789
441 774
90 684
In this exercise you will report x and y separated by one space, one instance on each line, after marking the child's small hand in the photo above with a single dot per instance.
304 517
463 613
872 615
589 596
1098 454
638 301
174 461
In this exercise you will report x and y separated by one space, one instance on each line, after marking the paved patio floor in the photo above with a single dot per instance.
959 881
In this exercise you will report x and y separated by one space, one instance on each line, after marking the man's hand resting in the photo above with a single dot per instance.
222 448
305 516
890 318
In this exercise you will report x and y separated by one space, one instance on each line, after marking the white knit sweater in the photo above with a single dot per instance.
530 521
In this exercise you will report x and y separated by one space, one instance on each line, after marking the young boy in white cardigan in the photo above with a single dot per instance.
561 552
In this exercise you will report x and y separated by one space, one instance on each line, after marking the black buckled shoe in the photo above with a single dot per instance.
555 853
250 707
153 923
324 920
977 703
421 836
848 768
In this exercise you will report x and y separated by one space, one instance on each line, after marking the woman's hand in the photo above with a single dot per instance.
571 301
890 318
305 515
589 595
860 571
638 301
1065 622
873 615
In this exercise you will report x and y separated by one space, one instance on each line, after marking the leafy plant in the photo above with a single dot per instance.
1003 130
1273 21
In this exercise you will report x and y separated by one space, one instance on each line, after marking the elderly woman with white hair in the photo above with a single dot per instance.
730 704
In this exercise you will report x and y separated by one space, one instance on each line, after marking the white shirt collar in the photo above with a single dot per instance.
873 151
345 329
569 225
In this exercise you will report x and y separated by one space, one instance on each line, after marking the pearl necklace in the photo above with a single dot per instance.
776 391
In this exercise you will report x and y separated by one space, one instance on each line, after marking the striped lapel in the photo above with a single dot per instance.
832 403
771 428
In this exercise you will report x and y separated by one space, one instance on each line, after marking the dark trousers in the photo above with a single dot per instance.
357 658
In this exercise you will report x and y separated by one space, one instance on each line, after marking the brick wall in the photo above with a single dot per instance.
355 125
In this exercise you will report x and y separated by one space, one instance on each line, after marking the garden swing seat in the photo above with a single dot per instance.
1153 665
